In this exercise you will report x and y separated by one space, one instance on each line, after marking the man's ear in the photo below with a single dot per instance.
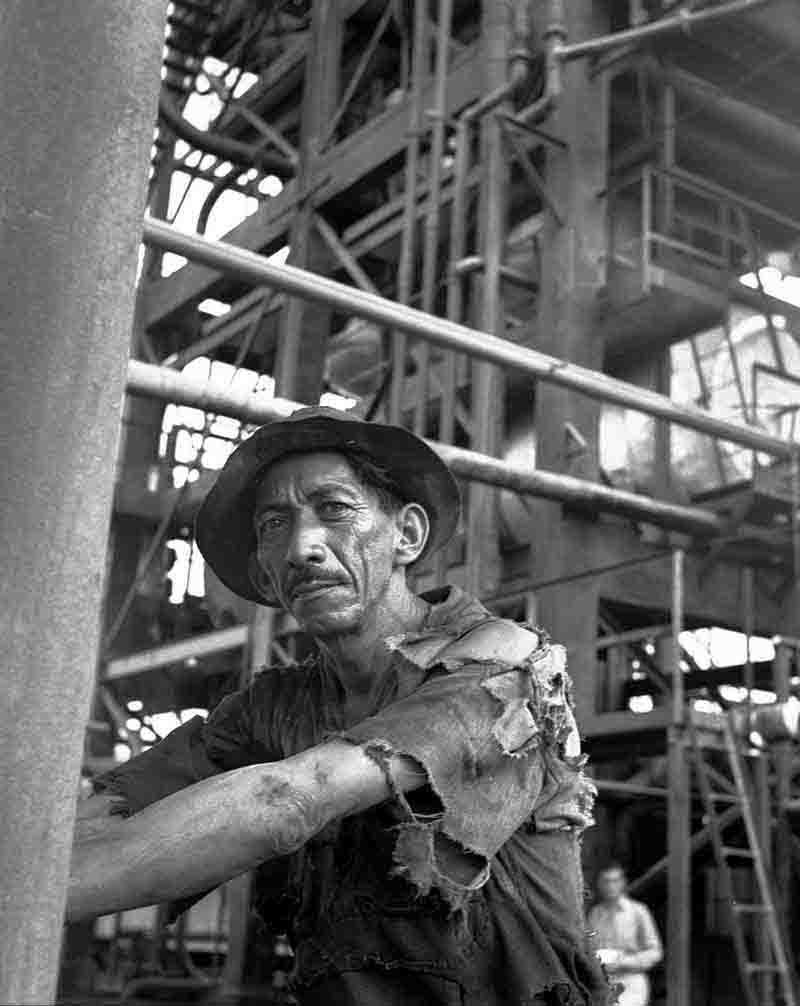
414 526
261 582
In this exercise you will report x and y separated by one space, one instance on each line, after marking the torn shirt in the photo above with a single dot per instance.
469 889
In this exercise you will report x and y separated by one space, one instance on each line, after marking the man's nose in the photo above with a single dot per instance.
307 542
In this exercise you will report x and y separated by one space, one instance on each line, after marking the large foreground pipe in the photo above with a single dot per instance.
183 389
442 332
79 84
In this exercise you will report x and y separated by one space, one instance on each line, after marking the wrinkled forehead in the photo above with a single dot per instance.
305 473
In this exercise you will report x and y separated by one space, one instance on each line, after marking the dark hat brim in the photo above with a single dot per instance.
224 526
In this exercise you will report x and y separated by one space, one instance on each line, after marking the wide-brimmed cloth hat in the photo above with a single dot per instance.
224 528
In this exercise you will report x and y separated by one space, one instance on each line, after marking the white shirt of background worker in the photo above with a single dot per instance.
625 937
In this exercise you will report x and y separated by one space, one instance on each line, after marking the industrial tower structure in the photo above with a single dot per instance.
537 217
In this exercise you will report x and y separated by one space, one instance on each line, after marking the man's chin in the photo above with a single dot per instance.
324 624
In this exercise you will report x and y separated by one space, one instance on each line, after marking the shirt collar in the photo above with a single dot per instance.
454 607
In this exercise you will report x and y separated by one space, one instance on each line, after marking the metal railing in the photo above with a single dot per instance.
681 219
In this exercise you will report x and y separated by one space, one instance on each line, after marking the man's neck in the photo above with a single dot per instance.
360 659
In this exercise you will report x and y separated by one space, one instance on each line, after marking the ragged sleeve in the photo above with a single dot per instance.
500 749
228 739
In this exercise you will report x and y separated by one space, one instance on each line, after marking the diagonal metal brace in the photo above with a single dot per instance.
535 180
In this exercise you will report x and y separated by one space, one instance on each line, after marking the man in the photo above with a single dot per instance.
414 791
625 935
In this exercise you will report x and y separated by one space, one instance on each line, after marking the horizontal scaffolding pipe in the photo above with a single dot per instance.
184 389
683 21
205 645
168 385
480 345
639 789
632 636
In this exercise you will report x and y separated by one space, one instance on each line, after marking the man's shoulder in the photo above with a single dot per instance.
460 630
634 906
494 640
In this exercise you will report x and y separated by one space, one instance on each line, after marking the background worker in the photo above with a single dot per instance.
625 936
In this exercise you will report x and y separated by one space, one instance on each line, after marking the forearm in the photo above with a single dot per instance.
203 835
190 841
642 960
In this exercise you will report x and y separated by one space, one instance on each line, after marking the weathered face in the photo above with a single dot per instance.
611 885
324 543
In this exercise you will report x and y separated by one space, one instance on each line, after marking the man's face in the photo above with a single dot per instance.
611 885
324 542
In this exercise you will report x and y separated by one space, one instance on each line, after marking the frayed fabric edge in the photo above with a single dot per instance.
535 704
414 855
415 858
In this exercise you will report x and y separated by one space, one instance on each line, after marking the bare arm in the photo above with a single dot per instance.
649 952
205 834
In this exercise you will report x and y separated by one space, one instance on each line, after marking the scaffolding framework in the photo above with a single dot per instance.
500 217
498 128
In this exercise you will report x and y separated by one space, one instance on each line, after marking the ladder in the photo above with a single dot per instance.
766 966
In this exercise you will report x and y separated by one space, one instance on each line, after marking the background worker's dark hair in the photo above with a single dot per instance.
612 866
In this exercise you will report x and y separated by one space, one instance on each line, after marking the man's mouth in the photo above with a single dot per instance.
310 588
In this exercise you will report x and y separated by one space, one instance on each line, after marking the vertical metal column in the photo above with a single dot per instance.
487 380
573 276
406 267
455 300
665 207
784 757
455 293
79 84
304 327
762 817
761 783
678 814
433 213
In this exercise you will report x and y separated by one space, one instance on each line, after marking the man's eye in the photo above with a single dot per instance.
273 523
333 508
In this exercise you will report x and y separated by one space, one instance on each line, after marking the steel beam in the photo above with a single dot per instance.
679 811
193 648
450 335
304 328
487 382
79 84
684 20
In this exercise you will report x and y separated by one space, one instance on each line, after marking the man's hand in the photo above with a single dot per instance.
622 962
198 838
610 959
